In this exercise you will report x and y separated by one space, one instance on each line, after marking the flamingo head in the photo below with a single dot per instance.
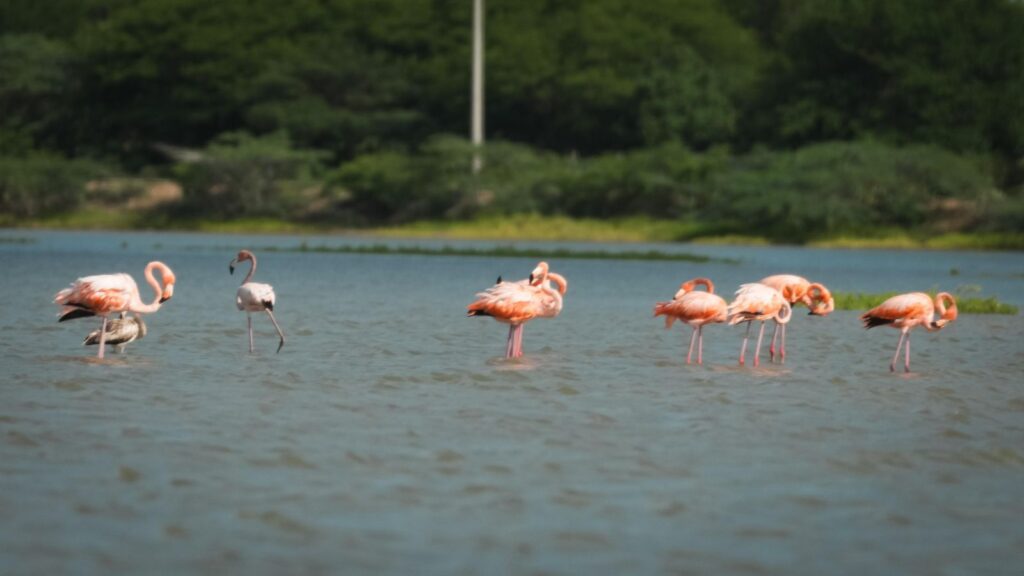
819 300
946 315
167 279
168 291
243 255
539 274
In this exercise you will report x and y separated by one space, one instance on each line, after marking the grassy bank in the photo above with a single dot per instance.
512 228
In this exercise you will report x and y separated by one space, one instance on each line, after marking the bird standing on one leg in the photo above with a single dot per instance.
255 296
515 303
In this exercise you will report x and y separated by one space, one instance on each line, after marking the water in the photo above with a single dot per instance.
390 437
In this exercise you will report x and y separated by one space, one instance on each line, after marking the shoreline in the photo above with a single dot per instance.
519 228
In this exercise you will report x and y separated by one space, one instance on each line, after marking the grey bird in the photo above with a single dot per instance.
120 332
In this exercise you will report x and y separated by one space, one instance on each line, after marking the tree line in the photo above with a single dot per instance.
356 95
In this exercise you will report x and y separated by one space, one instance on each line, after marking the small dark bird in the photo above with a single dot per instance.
120 332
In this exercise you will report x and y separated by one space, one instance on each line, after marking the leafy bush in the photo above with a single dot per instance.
42 184
850 188
242 175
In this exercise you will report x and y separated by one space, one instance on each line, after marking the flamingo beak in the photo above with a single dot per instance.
168 292
531 278
231 266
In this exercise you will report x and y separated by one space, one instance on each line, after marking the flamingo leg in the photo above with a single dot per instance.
103 338
519 340
700 345
892 365
782 349
906 364
692 339
510 342
743 349
757 353
249 315
280 333
771 348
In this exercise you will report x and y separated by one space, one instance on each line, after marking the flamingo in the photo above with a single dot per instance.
104 294
120 332
906 312
695 309
757 302
796 289
516 303
255 296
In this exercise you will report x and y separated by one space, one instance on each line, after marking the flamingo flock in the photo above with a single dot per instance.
540 295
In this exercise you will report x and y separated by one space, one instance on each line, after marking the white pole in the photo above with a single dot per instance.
478 83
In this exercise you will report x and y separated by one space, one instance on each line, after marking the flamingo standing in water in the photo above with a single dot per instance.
695 309
516 303
796 289
105 294
757 302
255 296
907 311
120 332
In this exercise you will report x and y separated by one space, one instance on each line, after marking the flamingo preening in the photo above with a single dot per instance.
908 311
695 309
105 294
255 296
516 303
119 332
796 289
757 302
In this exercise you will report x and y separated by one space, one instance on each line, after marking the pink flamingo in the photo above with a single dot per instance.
255 296
757 302
516 303
695 309
907 311
796 289
106 294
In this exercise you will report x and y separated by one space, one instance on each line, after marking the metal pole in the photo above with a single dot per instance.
477 119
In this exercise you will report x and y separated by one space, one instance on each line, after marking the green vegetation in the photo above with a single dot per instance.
710 120
965 304
505 252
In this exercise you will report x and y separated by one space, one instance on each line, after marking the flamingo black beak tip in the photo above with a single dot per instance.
231 268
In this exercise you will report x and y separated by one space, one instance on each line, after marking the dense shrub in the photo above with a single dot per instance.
851 187
42 184
242 175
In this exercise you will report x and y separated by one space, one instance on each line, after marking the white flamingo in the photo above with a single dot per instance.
255 296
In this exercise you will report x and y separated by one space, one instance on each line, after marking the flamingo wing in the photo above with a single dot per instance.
100 294
693 308
513 302
255 297
899 310
754 302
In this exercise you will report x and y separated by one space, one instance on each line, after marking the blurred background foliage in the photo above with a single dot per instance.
791 119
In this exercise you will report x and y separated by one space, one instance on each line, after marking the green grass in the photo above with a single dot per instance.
517 227
950 241
505 252
536 227
965 304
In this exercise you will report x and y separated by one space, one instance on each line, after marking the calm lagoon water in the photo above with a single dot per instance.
390 437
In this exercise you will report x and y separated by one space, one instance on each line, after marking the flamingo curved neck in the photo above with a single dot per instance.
252 270
784 314
138 306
